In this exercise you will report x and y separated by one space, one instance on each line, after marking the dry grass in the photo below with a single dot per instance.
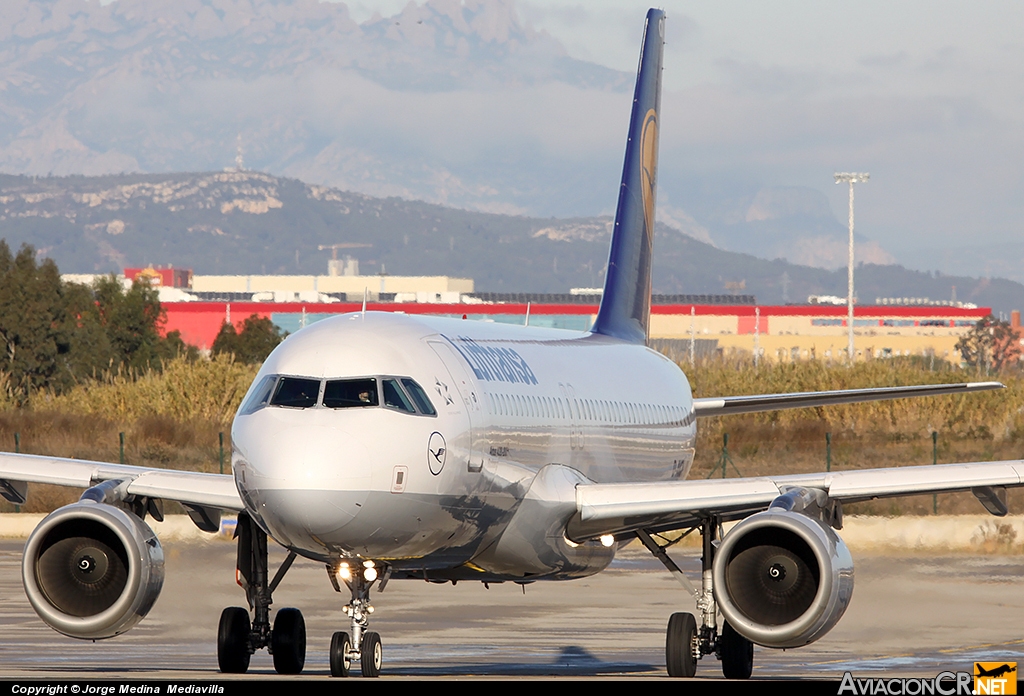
169 419
206 390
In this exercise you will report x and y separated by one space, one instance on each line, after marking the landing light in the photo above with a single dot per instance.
607 540
370 574
344 572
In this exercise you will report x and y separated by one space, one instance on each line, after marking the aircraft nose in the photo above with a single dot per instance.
304 480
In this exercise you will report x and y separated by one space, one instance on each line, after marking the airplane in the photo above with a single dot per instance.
994 672
388 447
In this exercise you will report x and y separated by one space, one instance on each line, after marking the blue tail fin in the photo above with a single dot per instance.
626 305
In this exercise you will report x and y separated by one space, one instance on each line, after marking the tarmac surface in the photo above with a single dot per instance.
912 615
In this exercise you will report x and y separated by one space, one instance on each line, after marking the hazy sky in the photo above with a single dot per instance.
928 96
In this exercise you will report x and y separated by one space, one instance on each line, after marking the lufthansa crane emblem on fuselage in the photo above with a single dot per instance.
437 452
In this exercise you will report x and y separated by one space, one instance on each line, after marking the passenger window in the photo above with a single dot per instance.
296 392
420 397
351 393
260 395
395 398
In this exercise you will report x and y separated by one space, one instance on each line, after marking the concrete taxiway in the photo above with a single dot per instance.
912 614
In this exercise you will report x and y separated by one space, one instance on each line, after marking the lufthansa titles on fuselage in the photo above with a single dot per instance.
493 364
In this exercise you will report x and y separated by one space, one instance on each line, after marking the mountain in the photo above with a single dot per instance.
405 106
242 222
292 86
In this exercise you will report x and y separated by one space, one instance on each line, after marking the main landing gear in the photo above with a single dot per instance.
238 638
685 642
359 645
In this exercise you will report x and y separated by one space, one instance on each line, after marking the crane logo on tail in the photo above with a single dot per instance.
649 169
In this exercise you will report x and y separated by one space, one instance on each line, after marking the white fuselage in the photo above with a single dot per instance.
428 494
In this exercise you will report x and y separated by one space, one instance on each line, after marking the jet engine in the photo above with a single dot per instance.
782 577
92 570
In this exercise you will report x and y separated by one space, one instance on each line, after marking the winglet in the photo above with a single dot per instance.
626 304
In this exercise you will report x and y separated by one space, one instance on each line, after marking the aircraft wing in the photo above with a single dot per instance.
618 508
727 405
188 487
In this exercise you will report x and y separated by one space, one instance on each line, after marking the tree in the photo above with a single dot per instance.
89 350
32 330
132 321
252 344
990 345
54 334
174 345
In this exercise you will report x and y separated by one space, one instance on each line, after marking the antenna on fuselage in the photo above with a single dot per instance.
527 314
365 291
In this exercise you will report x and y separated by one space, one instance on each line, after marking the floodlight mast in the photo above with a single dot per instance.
851 178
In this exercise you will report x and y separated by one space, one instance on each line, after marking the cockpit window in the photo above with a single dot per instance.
395 398
259 396
296 392
350 393
419 396
304 392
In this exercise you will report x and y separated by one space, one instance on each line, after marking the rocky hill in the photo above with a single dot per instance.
251 222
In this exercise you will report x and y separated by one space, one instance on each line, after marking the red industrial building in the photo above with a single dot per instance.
913 329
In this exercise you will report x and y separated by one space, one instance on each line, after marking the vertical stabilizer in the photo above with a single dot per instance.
626 304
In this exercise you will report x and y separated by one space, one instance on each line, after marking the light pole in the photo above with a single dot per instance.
851 178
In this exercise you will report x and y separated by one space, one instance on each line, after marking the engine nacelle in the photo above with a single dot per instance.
782 579
92 570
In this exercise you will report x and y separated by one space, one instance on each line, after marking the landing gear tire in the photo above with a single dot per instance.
372 654
737 654
233 641
679 643
341 646
288 641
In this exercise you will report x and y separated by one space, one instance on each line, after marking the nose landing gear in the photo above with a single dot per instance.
361 644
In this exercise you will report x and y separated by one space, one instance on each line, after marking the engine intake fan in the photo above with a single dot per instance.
92 570
783 577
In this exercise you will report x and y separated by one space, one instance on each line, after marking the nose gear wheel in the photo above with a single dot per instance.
341 654
360 645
